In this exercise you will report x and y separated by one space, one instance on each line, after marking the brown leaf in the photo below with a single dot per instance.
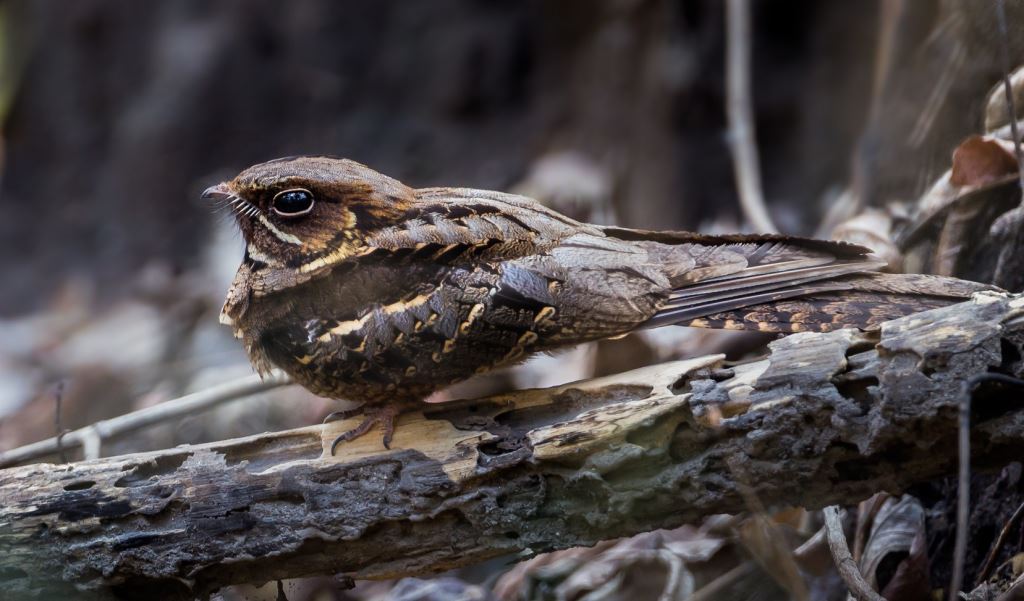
982 160
953 211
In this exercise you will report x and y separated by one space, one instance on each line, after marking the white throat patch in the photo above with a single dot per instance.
256 255
282 236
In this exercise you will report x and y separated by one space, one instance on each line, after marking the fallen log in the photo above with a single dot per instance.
824 419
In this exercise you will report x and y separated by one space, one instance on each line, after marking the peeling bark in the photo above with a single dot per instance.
824 419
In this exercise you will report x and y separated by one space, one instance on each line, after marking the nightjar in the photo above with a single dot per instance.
362 288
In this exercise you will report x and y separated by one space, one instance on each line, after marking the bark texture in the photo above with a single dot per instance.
824 419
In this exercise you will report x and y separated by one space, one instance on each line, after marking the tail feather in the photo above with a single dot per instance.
862 301
784 284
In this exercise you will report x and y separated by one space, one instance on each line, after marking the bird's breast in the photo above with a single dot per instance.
407 347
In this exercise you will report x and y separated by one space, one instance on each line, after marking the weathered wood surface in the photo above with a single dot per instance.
826 418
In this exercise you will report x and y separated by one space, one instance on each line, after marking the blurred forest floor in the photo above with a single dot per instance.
118 113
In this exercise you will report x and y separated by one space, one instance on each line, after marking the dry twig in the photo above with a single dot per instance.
91 436
715 588
963 497
1010 226
1004 533
847 567
741 121
963 503
1004 55
866 153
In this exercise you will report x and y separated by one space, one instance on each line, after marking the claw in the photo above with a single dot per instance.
342 415
385 416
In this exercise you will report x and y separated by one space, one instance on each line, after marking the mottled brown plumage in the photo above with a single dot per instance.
362 288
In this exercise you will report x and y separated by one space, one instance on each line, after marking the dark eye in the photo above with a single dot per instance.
292 203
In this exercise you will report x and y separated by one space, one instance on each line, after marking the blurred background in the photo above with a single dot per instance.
116 114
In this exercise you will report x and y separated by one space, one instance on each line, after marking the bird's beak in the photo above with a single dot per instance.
218 192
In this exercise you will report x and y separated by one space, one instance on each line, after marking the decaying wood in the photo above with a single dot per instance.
824 419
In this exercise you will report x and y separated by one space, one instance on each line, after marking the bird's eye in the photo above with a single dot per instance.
292 203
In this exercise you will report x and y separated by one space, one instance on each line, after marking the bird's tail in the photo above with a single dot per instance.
859 300
785 284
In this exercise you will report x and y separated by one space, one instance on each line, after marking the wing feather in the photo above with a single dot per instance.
475 218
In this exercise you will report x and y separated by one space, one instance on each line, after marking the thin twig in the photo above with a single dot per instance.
92 443
192 403
986 568
963 501
1014 237
1004 54
940 92
848 570
866 154
713 589
963 497
787 573
58 397
740 113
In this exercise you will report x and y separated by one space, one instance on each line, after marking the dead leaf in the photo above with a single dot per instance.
959 208
911 581
897 531
997 112
982 160
652 565
549 569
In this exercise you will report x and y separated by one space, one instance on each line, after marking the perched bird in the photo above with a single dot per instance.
362 288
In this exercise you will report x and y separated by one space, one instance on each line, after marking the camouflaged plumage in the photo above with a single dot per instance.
383 293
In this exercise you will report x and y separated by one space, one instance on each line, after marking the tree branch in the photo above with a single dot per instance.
825 419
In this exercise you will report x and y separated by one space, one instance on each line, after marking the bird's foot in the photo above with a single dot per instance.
385 416
335 416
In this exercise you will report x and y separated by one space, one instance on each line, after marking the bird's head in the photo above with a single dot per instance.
303 212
